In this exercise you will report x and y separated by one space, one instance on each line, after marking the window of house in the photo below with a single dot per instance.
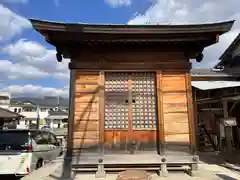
19 110
15 110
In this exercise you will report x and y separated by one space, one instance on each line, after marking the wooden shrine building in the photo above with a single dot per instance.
130 91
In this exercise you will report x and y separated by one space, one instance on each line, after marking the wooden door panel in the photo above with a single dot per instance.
130 111
143 104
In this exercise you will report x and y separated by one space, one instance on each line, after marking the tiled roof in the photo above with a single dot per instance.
44 102
5 113
231 48
211 73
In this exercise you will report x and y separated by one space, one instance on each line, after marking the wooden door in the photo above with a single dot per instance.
130 112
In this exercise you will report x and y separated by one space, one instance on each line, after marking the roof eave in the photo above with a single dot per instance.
230 47
220 28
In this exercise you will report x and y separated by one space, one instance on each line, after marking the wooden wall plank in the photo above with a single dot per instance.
173 83
84 143
86 107
90 88
86 135
176 117
175 107
86 97
177 138
87 77
86 129
86 125
169 98
86 115
176 128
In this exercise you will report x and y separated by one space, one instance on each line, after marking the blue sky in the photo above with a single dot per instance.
28 65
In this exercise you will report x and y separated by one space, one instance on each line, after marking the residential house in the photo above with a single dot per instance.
57 119
5 99
33 108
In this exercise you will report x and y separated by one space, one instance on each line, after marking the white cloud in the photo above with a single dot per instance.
17 1
31 90
11 23
16 71
117 3
30 53
188 11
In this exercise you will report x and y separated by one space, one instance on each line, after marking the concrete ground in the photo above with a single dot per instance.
210 168
206 172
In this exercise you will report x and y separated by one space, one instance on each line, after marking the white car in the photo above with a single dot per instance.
22 151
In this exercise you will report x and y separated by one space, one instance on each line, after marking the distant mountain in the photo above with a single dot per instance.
47 101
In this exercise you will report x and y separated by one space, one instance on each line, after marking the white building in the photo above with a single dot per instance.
34 108
5 100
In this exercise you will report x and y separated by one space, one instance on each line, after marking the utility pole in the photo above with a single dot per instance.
38 116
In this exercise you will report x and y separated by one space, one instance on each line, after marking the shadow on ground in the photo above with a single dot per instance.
231 162
225 177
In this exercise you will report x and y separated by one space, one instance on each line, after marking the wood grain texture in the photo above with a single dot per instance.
160 106
89 88
171 83
101 108
86 97
176 128
86 129
115 137
86 116
87 77
86 135
176 117
86 107
175 107
81 143
177 138
169 98
192 125
86 125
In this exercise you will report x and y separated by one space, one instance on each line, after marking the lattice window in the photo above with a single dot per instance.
143 101
116 93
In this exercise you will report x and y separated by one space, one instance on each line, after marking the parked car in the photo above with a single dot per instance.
24 150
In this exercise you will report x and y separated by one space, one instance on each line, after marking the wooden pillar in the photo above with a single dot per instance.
101 173
67 166
195 113
191 116
228 129
160 129
101 112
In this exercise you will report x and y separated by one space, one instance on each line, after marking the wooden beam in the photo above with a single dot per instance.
112 66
